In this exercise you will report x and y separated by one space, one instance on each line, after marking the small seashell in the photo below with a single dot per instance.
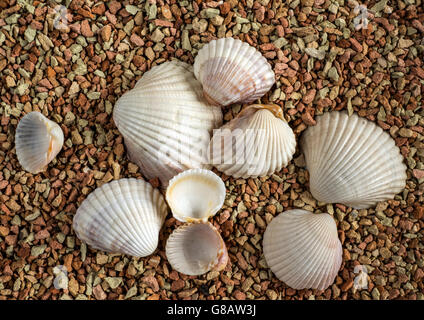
258 142
195 195
196 248
165 121
38 140
303 249
122 216
232 71
352 161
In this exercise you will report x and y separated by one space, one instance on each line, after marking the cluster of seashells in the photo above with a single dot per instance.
167 121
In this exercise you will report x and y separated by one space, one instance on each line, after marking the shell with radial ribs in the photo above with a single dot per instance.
303 249
38 140
196 248
258 142
122 216
195 195
232 71
166 122
352 161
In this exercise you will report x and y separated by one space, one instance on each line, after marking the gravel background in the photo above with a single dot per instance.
75 74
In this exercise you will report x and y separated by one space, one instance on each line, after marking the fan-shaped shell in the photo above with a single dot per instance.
352 161
303 249
165 121
122 216
232 71
257 142
196 248
195 195
38 140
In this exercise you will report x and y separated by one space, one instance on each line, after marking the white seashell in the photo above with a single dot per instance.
303 249
196 248
122 216
38 140
232 71
195 195
352 161
165 121
258 142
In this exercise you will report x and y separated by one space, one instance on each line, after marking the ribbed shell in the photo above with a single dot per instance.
352 161
258 142
38 140
122 216
166 122
303 249
196 248
232 71
195 195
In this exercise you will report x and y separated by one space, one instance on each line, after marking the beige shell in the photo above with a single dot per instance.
258 142
303 249
196 248
166 122
232 71
352 161
122 216
195 195
38 140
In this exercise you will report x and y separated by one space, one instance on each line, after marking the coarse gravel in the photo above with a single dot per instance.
73 65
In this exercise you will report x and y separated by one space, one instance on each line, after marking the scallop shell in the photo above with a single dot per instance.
303 249
165 121
196 248
195 195
258 142
232 71
122 216
352 161
38 140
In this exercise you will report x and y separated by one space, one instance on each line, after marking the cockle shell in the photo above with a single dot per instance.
196 248
303 249
352 161
195 195
232 71
122 216
257 142
166 122
38 140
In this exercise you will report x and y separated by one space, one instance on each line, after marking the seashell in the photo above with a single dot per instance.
232 71
122 216
38 140
303 249
196 248
256 143
195 195
352 161
165 121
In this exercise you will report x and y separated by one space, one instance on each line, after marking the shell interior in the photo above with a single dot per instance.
38 140
195 194
122 216
196 248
